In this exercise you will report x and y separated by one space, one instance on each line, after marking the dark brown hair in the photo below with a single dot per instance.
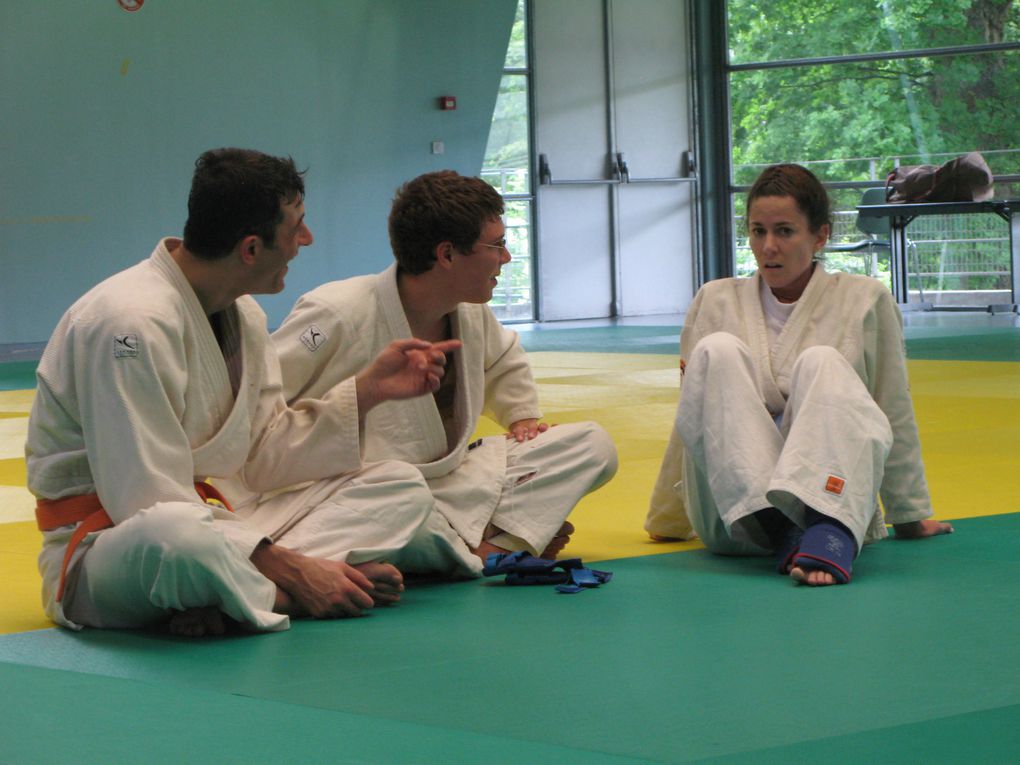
789 180
437 207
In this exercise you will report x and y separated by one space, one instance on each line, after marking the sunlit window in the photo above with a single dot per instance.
854 89
506 167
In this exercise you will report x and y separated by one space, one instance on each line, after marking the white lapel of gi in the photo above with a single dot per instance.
427 420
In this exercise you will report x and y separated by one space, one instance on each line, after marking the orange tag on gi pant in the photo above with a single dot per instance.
834 485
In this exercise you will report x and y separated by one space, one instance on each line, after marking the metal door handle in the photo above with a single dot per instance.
619 173
545 177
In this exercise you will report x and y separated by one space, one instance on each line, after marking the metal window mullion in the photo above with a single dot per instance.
533 235
859 58
615 272
717 253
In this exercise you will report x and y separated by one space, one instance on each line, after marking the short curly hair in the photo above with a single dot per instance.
438 207
236 193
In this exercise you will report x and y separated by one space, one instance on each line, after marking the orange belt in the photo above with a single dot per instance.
86 510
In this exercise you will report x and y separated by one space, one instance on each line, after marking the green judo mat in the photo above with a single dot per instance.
945 343
682 657
991 344
17 375
957 343
639 339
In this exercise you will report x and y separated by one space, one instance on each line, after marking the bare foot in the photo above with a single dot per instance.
922 529
558 542
813 577
485 549
388 581
661 538
197 622
285 604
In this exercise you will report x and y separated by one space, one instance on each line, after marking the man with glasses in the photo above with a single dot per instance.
497 494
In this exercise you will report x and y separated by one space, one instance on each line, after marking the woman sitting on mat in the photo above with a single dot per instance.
795 410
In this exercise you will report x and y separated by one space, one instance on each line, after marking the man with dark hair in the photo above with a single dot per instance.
163 376
438 207
235 192
489 495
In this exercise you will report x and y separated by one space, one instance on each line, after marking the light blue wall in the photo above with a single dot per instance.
103 112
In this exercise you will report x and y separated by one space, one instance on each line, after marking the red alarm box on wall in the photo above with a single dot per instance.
447 103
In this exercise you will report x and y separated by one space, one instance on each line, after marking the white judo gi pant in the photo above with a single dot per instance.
535 489
828 452
172 556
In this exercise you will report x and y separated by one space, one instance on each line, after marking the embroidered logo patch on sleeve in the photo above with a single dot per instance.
834 485
313 338
125 345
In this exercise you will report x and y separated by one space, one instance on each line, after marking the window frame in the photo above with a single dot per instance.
713 69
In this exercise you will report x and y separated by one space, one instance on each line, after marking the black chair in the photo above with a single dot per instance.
876 231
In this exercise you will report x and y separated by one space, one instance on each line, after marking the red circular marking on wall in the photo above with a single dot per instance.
131 5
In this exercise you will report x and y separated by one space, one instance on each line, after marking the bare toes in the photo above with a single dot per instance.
661 538
388 581
812 577
558 542
197 622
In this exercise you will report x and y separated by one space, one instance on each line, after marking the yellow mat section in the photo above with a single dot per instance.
19 538
22 604
633 396
968 414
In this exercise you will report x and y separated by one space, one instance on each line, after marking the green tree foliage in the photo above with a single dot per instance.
507 147
920 109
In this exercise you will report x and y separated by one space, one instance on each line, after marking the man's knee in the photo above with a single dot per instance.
592 444
601 448
127 563
401 474
176 530
404 482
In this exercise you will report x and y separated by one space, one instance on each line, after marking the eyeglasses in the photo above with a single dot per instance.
500 245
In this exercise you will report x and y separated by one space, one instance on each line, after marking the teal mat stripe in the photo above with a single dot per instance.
645 339
17 375
682 657
993 344
935 343
939 344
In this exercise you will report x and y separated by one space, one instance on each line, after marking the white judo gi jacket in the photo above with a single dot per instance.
135 404
337 329
857 316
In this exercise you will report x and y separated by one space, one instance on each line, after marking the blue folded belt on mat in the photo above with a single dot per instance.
569 575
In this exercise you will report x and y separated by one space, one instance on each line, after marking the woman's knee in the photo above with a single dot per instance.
719 357
719 345
820 358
